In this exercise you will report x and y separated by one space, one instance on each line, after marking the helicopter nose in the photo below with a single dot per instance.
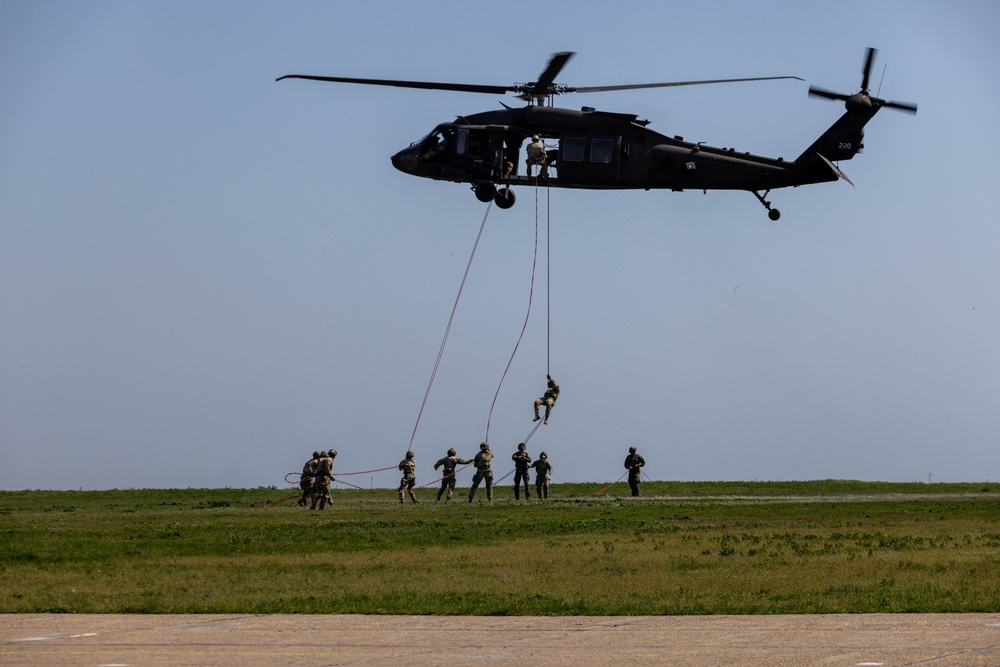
407 159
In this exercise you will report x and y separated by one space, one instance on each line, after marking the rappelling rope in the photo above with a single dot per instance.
531 292
548 281
451 474
586 495
365 472
451 318
280 501
342 474
377 493
505 476
533 430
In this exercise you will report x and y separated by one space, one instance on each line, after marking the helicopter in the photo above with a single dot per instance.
614 151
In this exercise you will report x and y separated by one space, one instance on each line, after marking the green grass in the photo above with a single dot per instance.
828 546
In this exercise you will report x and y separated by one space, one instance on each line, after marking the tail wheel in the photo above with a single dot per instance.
504 198
772 213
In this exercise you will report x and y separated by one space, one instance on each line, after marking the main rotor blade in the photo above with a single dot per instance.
556 63
816 91
908 107
635 86
425 85
869 61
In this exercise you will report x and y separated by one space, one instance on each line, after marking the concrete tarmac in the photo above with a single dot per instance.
119 640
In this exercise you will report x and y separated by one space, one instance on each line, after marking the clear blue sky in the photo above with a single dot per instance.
205 275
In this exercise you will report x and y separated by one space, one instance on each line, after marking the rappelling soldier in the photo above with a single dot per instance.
634 462
543 469
522 461
536 155
449 463
483 472
321 482
548 399
306 480
409 468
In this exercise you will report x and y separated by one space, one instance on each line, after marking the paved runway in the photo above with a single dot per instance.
693 641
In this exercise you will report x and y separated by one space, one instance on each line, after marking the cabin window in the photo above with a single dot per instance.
462 142
572 149
601 150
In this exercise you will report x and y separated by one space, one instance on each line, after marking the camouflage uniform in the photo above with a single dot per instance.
409 468
306 480
522 460
483 472
536 155
634 462
548 399
450 463
324 475
542 471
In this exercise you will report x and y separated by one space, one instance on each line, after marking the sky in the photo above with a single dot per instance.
206 274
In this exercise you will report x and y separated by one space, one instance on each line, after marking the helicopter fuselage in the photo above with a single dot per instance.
597 150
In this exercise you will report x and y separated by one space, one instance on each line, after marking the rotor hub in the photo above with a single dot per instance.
858 103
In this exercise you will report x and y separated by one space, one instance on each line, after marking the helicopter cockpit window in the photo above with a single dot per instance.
572 149
434 144
601 150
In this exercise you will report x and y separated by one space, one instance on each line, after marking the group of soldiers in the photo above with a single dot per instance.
484 473
317 474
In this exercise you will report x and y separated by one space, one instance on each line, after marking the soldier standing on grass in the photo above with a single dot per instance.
522 461
324 475
543 469
633 462
409 468
483 472
306 480
450 463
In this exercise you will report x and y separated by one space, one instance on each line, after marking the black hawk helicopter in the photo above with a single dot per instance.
604 150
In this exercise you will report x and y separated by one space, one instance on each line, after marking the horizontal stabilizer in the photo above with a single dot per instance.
835 169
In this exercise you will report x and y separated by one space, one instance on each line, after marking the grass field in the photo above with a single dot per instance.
684 548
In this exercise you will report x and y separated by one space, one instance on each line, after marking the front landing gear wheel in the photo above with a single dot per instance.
485 191
774 214
504 198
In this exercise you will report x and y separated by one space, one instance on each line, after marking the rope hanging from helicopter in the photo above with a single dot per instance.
451 318
527 315
447 330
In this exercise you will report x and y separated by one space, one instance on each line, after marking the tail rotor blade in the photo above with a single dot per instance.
869 61
907 107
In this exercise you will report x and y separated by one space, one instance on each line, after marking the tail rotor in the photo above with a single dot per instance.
863 101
